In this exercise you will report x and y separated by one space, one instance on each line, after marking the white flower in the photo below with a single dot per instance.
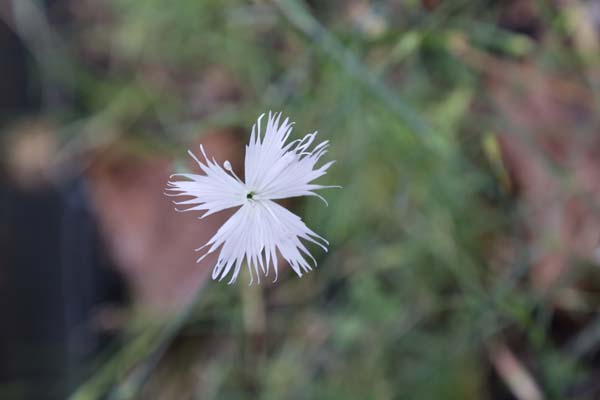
260 228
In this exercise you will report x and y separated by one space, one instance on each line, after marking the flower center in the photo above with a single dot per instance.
250 195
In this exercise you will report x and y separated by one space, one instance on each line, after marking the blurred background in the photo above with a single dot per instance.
465 243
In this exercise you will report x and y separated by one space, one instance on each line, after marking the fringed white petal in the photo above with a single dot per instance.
277 170
215 191
256 234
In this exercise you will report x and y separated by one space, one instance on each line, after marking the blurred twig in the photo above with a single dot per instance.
513 372
587 340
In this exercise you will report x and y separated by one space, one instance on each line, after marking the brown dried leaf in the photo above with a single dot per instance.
152 244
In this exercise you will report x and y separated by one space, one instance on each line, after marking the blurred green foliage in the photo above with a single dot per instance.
404 302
